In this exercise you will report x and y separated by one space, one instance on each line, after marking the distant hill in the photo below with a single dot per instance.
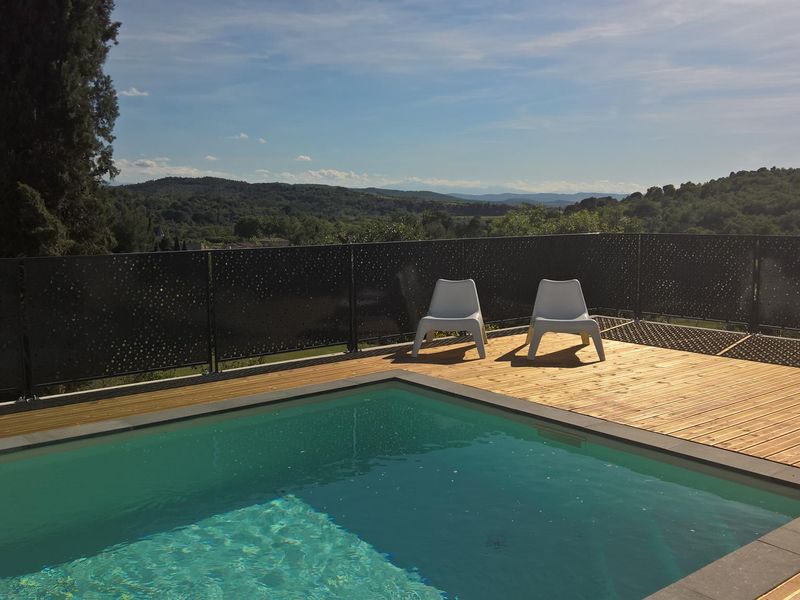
765 201
219 212
211 199
553 200
409 194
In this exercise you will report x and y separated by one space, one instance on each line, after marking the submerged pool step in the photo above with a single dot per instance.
283 548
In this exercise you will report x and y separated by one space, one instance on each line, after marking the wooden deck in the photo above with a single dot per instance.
748 407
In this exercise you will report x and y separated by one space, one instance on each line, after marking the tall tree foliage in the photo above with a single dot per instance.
766 201
58 112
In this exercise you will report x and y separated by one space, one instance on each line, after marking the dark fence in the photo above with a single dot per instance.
700 276
12 365
778 291
90 317
69 319
275 300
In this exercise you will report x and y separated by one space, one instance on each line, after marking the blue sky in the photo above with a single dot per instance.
470 96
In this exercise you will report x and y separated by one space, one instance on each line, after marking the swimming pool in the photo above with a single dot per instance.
383 491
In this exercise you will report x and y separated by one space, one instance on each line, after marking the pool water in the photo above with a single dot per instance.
386 491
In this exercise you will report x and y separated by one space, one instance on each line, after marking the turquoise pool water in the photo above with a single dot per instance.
387 491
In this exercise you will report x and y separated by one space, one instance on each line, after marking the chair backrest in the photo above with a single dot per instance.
559 300
454 299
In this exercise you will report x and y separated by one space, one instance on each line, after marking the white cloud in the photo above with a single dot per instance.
567 122
210 157
303 158
327 177
262 140
764 116
240 136
463 96
143 169
132 91
412 36
572 187
442 183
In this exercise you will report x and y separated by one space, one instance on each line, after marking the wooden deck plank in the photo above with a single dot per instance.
748 404
788 590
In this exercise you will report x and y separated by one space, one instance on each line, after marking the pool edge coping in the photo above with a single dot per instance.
746 573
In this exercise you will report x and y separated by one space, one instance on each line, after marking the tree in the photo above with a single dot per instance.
437 224
55 137
41 232
580 222
133 230
472 229
524 220
247 227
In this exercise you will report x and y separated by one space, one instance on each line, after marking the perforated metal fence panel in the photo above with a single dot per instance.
700 276
779 282
499 267
11 369
99 316
507 271
394 283
609 271
279 299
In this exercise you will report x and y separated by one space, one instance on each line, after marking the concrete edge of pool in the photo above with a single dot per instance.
746 573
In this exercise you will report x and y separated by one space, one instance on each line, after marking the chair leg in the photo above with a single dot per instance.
598 344
477 335
536 337
483 333
584 338
421 332
430 336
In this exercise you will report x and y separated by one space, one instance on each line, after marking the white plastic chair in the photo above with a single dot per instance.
454 307
560 307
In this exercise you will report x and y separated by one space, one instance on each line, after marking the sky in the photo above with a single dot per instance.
457 96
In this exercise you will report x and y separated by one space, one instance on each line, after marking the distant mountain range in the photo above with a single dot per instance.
548 199
537 198
212 200
333 201
426 195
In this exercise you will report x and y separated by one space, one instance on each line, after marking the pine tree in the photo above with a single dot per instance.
59 110
132 228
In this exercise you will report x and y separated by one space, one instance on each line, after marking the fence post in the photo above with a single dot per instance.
755 297
352 342
637 310
25 346
213 366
